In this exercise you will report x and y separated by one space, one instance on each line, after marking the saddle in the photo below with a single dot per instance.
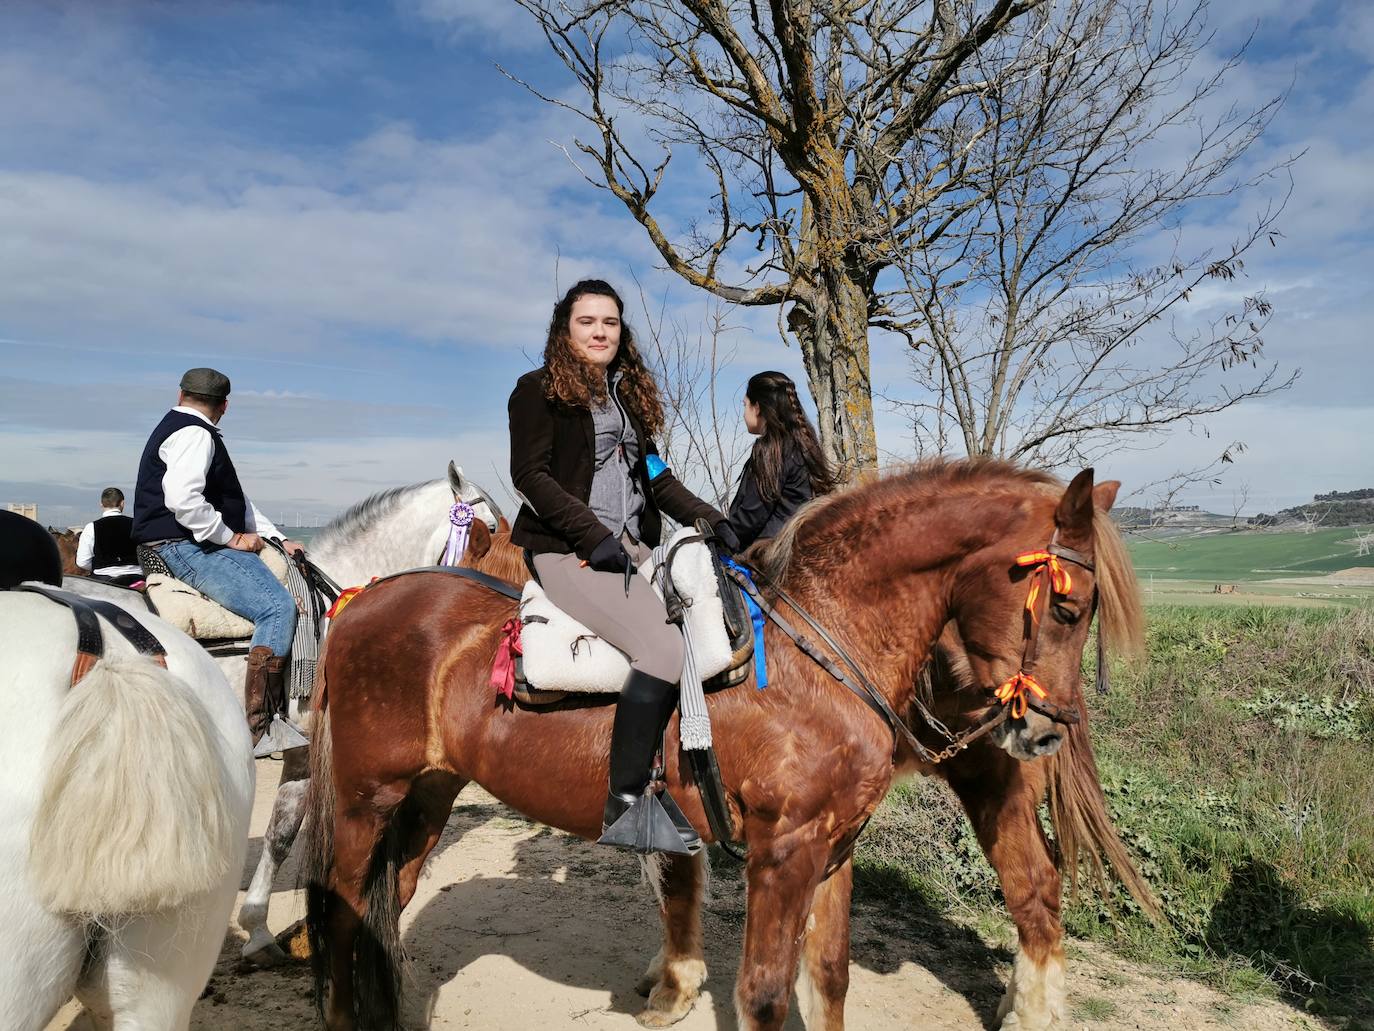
191 612
559 656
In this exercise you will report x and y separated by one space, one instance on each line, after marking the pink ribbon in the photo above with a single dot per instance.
503 665
460 518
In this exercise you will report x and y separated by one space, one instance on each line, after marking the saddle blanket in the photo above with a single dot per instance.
560 654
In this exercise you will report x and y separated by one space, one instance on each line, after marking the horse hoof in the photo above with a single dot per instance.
666 1007
263 955
659 1018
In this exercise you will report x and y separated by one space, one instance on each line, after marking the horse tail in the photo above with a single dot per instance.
317 853
1082 825
137 796
378 955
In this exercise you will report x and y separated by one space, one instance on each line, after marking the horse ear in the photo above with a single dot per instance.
1104 495
455 480
479 540
502 525
1074 516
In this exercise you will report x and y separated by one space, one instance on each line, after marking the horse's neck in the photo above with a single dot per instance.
888 599
410 535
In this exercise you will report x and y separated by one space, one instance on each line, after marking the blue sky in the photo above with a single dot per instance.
349 210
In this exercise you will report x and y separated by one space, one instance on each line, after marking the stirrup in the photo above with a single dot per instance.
646 827
281 735
684 827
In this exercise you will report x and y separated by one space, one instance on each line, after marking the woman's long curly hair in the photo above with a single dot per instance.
784 423
579 383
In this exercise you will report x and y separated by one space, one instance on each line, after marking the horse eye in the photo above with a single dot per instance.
1065 614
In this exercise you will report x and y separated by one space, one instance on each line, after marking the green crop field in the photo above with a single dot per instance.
1253 568
1251 555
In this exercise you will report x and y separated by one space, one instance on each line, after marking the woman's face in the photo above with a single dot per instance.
753 418
594 329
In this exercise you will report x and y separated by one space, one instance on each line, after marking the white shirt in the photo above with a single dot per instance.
187 454
85 550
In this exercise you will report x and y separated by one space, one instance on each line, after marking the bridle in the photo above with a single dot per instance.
1016 695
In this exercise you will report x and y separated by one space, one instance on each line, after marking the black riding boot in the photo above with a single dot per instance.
636 818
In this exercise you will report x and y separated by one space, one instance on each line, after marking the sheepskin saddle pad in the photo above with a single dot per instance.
196 615
562 655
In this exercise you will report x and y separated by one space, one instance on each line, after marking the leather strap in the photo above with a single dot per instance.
90 640
492 583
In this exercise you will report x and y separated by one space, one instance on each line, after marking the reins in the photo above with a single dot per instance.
1017 694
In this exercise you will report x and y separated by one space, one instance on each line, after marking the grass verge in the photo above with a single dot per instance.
1236 762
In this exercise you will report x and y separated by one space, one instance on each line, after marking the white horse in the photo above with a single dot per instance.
394 530
124 806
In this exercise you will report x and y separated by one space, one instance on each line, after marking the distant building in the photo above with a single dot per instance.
24 509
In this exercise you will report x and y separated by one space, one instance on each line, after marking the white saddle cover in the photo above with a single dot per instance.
560 654
196 615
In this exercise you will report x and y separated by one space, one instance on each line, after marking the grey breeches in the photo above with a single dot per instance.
637 625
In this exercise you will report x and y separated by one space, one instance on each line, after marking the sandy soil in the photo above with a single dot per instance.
516 926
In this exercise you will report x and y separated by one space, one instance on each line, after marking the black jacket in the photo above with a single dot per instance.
751 517
552 453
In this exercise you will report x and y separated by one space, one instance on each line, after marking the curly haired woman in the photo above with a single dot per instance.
583 456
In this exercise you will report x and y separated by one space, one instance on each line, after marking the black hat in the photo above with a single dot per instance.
206 382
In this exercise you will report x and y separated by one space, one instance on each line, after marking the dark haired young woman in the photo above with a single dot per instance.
583 456
786 467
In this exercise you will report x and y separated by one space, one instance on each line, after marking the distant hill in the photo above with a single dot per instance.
1338 508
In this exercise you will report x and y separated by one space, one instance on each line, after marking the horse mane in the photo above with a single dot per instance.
358 518
502 560
1122 618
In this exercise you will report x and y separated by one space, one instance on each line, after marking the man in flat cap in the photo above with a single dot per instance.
190 507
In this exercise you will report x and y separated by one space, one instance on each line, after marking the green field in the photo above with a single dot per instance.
1250 555
1253 568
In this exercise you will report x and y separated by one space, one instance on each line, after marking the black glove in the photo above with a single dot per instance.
728 538
609 557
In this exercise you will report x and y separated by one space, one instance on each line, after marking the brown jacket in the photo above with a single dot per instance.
552 449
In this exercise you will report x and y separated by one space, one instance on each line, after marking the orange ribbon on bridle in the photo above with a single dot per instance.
1060 581
1014 690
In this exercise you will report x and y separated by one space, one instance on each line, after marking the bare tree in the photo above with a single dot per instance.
1037 334
703 437
811 121
1240 497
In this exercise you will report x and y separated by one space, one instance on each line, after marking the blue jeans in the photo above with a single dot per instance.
240 582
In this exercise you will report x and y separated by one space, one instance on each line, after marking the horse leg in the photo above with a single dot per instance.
675 976
282 828
824 980
781 884
153 967
429 806
357 831
1008 828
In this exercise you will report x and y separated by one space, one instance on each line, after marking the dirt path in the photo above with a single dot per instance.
518 927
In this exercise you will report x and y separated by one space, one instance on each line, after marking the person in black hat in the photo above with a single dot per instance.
190 508
27 552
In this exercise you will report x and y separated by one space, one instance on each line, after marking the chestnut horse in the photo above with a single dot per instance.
408 718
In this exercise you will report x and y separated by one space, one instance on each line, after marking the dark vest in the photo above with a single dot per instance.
114 542
153 521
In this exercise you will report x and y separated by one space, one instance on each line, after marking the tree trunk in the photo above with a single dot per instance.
833 336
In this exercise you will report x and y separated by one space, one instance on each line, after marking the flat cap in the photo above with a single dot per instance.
206 381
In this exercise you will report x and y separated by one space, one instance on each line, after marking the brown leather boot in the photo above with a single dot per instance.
255 691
